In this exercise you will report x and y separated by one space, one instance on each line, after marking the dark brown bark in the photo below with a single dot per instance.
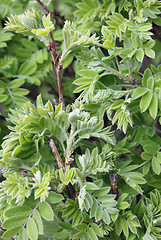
114 184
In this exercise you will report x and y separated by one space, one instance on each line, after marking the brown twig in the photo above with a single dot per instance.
43 7
52 48
56 153
27 175
55 14
57 67
113 180
70 189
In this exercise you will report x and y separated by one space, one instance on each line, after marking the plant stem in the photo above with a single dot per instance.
113 180
43 7
55 14
27 175
57 67
56 153
52 48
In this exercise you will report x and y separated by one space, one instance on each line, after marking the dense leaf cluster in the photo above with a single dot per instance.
89 168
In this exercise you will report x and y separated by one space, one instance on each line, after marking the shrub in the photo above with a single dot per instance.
83 166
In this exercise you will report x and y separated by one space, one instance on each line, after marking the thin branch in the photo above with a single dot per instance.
27 175
60 20
113 180
52 49
55 14
43 7
56 153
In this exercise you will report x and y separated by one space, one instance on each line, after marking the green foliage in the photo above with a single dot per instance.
11 93
87 13
9 7
89 169
74 40
149 93
5 36
16 187
92 163
30 23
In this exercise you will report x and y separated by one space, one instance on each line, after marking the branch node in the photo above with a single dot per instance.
68 162
55 102
56 153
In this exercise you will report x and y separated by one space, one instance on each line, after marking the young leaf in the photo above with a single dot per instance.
46 211
150 83
119 225
11 232
14 222
24 211
23 235
106 217
32 24
92 234
125 227
38 220
145 101
55 197
77 217
32 231
3 98
153 108
98 213
150 53
147 74
156 165
140 55
16 83
87 73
